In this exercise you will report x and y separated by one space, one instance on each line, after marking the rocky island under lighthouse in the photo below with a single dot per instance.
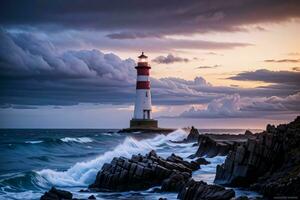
142 117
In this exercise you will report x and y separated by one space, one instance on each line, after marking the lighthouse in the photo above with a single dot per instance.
142 117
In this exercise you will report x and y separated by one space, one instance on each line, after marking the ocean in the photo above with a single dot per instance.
32 161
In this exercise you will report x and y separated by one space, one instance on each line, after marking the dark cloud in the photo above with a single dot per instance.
160 17
296 69
267 76
214 53
208 67
132 35
33 72
169 59
283 61
259 28
95 39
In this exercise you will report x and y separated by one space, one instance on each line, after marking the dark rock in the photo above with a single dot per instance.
241 198
270 163
84 190
193 135
56 194
92 197
212 148
141 172
202 161
247 132
201 190
161 198
175 182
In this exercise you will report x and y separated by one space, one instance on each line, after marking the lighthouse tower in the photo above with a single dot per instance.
142 118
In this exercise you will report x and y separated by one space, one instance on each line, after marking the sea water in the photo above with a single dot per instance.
32 161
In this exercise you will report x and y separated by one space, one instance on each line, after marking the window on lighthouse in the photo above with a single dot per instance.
146 94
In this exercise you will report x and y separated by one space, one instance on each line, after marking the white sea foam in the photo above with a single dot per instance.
84 173
107 134
79 139
207 172
34 142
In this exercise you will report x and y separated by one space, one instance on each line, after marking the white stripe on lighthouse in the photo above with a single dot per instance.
142 78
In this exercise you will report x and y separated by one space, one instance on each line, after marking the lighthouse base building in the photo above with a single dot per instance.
143 123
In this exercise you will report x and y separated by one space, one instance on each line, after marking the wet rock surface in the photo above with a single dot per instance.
270 163
211 148
175 182
56 194
212 145
194 190
142 172
202 161
193 135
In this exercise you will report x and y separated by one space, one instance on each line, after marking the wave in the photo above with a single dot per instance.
28 185
84 173
62 140
27 180
79 139
34 142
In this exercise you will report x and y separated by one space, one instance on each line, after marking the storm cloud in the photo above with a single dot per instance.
141 19
33 72
267 76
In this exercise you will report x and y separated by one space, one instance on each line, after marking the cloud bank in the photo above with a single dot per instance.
35 73
233 106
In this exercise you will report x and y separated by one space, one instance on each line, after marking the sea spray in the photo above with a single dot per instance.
84 173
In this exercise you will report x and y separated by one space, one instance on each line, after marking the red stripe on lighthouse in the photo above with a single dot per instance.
143 85
143 71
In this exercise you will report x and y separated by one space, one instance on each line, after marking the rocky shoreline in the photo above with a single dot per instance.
267 162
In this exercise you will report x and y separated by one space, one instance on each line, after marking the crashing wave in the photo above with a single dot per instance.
84 173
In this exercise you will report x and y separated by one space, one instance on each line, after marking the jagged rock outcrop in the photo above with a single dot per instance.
270 162
247 132
212 148
175 182
194 190
202 161
193 135
92 197
140 172
56 194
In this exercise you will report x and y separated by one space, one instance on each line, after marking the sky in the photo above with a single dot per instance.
215 64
